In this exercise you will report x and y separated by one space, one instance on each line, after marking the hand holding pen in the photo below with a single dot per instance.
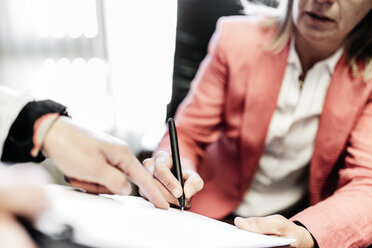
164 170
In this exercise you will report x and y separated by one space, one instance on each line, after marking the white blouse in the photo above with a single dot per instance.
281 179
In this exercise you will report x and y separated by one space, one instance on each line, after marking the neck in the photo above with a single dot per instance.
312 52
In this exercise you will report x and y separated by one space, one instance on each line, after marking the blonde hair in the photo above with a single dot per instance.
357 45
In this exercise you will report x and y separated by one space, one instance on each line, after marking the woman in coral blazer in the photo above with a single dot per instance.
226 121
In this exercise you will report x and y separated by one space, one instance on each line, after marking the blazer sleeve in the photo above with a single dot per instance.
19 114
200 114
345 218
11 104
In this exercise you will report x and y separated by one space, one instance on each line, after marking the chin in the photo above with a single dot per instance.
319 37
316 35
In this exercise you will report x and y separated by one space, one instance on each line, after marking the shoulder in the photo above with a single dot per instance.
244 28
240 34
239 23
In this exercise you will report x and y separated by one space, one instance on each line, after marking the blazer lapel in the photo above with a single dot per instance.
344 102
262 90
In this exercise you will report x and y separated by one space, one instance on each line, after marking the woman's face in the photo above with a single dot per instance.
328 20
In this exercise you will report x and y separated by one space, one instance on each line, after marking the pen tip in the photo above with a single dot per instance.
182 208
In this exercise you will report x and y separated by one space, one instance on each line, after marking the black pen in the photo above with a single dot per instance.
177 170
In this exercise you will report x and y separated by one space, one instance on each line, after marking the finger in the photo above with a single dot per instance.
24 200
149 164
146 183
165 176
193 183
113 179
142 194
163 173
164 158
270 225
35 206
251 224
166 194
89 187
121 157
12 234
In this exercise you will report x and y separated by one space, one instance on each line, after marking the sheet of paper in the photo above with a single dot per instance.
127 221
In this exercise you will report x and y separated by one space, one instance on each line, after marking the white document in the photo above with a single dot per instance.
127 221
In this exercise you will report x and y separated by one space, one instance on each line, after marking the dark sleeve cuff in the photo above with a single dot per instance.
19 142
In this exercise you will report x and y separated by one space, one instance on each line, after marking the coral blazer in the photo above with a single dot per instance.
223 122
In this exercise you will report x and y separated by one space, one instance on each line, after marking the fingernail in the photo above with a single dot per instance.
125 191
176 192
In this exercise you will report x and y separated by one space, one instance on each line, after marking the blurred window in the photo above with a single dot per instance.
56 49
110 62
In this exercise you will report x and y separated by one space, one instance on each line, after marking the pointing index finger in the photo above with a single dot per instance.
137 173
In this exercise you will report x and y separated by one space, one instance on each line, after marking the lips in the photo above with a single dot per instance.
319 16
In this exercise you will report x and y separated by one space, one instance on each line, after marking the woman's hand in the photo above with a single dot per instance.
279 226
160 167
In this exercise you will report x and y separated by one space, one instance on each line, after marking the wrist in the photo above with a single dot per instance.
55 135
19 144
42 127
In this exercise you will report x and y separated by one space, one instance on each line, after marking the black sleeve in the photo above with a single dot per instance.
18 144
196 22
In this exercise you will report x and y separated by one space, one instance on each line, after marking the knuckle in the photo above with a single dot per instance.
281 229
128 163
189 173
124 149
147 162
161 154
258 225
280 224
161 170
163 158
278 218
255 222
120 149
168 184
